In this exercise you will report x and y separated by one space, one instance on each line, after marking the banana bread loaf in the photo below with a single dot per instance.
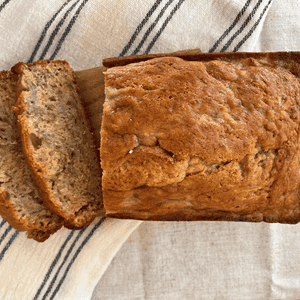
202 140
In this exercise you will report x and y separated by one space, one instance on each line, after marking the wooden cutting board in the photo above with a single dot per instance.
91 86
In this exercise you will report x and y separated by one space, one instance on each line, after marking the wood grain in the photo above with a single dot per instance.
124 60
91 86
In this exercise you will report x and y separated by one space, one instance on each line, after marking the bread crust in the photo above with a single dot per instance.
199 180
35 231
8 213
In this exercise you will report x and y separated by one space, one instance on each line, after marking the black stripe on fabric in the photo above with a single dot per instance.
11 240
242 27
55 31
53 264
238 46
63 262
4 4
139 28
2 223
44 32
137 49
163 26
240 14
75 256
3 236
68 29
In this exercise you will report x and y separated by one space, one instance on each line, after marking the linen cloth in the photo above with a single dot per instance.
160 260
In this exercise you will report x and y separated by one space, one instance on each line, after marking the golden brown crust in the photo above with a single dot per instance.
19 67
207 215
203 140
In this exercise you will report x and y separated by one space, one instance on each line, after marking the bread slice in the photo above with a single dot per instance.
57 140
20 202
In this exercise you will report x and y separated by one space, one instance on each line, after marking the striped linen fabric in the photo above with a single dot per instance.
70 264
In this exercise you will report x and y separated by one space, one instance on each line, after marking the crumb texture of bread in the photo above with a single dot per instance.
215 140
20 201
57 140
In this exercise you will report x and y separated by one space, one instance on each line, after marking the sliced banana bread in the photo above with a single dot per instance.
57 140
20 202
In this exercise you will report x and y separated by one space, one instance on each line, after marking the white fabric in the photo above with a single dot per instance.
197 260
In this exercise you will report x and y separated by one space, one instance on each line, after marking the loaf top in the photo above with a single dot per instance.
217 110
218 125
